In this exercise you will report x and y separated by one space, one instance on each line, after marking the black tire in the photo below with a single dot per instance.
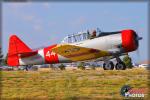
120 66
108 66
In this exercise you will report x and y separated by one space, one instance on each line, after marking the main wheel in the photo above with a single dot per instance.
120 66
108 66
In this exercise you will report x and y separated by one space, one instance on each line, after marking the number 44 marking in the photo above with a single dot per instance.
48 54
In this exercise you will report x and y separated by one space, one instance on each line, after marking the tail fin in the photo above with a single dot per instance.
16 46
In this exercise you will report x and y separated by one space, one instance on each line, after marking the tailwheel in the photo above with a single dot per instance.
120 66
108 65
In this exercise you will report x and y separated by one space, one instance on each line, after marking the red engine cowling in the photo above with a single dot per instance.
129 40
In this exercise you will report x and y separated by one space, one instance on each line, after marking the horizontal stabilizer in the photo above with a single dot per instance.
27 54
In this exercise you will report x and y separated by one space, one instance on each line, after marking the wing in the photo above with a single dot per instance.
76 53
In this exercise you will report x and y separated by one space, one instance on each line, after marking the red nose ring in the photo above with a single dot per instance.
128 40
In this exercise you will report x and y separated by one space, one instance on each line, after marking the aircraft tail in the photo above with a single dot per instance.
16 47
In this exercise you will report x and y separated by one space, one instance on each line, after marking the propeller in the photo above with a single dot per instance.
137 39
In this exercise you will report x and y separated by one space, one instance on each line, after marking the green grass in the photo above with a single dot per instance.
70 85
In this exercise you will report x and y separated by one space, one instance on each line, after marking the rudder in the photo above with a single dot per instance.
16 46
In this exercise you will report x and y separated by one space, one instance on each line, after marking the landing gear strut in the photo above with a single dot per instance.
120 64
27 67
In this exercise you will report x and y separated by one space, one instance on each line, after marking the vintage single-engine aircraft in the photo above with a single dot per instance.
77 47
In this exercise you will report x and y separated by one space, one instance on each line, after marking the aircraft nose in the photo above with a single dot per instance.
130 40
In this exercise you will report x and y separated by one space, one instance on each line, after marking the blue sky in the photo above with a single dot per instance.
41 24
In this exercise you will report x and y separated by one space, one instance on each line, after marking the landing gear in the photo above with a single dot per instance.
108 65
120 65
27 67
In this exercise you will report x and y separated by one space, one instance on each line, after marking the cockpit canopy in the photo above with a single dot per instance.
80 36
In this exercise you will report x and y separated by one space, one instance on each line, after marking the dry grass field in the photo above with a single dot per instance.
70 85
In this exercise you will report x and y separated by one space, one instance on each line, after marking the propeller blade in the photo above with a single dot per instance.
139 38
